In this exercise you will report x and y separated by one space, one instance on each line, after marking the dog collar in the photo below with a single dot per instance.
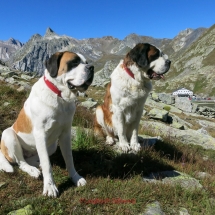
52 87
129 72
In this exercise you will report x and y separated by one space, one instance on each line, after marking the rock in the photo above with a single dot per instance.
8 74
177 125
151 103
155 96
158 114
183 211
205 123
2 184
24 84
11 80
20 89
202 131
102 77
174 177
6 104
153 208
27 210
206 111
26 77
188 136
184 104
166 98
89 104
177 122
202 175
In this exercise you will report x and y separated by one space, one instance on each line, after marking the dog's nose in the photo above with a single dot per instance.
168 62
90 67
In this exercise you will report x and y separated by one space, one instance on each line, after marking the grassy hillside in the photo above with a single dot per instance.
110 175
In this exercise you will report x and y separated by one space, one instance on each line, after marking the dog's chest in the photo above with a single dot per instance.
130 104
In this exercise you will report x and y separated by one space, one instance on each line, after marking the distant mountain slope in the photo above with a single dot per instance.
7 48
194 67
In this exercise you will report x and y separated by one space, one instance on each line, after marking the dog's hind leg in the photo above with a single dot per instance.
13 152
101 128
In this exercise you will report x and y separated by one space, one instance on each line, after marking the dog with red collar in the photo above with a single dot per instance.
46 119
118 118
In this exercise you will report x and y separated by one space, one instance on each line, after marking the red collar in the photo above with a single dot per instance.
128 71
52 87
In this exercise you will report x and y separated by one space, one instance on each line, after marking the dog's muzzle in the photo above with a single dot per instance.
89 69
155 76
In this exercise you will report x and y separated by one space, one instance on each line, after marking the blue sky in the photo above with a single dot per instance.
80 19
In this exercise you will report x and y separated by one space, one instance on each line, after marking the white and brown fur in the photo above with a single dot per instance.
118 118
46 119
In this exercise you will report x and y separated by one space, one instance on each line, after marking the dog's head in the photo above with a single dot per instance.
149 59
76 72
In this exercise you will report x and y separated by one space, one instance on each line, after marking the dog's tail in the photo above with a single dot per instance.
4 164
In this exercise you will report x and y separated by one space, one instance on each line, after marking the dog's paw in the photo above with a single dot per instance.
6 167
135 147
110 140
31 170
124 147
50 189
78 180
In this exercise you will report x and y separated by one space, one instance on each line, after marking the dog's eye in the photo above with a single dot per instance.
86 62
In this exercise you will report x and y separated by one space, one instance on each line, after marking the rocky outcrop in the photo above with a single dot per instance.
103 76
189 136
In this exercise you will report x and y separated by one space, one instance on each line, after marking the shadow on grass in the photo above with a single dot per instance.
103 162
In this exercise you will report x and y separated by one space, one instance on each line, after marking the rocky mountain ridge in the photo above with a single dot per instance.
33 54
191 52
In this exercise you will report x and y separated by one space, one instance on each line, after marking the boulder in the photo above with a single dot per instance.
151 103
8 74
173 177
155 96
184 104
27 210
188 136
89 104
166 98
158 114
153 208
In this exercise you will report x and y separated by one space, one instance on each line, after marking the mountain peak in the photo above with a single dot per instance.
49 32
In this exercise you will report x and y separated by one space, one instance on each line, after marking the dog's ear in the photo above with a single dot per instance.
53 63
139 54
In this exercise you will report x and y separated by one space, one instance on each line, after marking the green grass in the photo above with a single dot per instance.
109 174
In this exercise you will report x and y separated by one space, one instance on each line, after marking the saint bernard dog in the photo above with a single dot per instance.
118 118
46 119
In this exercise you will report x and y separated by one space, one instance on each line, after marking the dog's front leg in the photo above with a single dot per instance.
134 127
119 126
66 149
49 187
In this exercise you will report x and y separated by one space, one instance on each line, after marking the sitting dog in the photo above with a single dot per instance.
119 117
47 118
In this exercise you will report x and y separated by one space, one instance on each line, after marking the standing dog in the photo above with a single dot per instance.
45 118
119 116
